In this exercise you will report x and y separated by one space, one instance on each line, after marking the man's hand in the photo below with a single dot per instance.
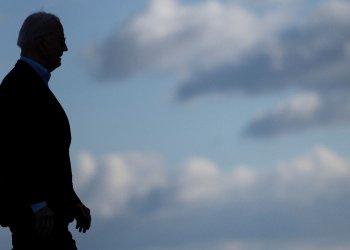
82 217
44 221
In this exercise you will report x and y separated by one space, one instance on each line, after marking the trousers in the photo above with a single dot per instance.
25 237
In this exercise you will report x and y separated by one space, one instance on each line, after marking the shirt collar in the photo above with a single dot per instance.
39 69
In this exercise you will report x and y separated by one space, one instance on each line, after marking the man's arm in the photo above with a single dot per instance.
83 217
44 220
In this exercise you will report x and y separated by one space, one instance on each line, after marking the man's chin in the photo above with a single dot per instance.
53 67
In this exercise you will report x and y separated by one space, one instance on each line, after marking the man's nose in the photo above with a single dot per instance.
65 48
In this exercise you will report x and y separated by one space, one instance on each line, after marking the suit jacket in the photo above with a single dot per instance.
34 153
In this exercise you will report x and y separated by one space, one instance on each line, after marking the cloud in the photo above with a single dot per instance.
228 47
117 180
310 55
139 205
202 180
171 37
218 46
303 111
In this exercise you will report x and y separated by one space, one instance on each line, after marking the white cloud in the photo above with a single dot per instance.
304 105
303 111
86 169
202 206
300 111
313 176
202 180
199 181
307 55
238 46
173 37
118 179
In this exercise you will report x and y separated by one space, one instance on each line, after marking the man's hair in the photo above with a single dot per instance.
35 26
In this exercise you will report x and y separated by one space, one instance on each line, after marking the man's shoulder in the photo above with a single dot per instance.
19 75
20 68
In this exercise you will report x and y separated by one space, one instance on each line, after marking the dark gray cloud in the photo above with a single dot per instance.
304 111
171 37
299 204
315 56
139 206
227 48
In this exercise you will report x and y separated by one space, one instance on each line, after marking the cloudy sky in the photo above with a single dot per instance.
204 124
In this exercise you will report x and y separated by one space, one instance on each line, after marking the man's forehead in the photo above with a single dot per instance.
55 27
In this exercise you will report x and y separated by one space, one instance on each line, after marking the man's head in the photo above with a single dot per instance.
41 38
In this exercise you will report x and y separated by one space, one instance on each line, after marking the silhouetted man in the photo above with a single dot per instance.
37 198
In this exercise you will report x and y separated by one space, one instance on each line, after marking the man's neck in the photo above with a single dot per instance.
33 56
39 69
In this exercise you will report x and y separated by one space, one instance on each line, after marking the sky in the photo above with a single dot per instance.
204 124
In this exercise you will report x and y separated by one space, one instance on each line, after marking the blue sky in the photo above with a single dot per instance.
204 124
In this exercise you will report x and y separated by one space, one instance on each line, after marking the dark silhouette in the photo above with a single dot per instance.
37 198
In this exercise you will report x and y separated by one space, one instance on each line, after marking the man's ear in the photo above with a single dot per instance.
41 45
